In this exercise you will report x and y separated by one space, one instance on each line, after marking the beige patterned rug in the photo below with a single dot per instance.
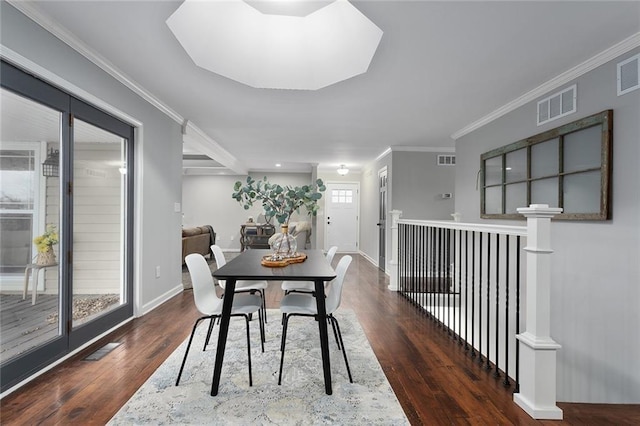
300 400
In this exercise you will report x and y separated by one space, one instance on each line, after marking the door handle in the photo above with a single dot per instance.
379 224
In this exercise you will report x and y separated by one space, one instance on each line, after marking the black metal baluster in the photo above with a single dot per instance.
459 292
423 263
481 360
473 293
466 290
448 278
410 263
410 255
506 315
497 363
427 254
516 388
488 302
433 273
438 292
425 284
417 259
415 270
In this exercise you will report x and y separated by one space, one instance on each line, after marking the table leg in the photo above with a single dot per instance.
227 303
324 336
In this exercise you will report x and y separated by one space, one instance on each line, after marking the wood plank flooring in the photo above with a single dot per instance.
434 380
24 326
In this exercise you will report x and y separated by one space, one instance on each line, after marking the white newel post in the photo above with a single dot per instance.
537 394
393 263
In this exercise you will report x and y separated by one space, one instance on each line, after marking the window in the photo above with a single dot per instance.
342 196
19 174
566 167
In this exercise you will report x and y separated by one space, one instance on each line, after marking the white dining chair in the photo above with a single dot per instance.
242 286
306 286
210 305
304 305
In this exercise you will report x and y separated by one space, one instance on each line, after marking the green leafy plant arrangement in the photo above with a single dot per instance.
279 201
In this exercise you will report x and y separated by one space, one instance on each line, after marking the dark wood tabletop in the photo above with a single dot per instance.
247 267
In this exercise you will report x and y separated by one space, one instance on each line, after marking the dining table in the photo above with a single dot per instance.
247 266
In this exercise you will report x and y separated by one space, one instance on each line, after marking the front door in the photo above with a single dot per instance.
342 204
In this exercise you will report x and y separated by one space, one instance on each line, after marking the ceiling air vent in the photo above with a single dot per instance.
446 160
557 105
628 75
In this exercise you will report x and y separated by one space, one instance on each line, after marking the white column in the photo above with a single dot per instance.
537 394
393 263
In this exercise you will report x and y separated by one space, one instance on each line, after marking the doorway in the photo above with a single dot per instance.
66 216
342 216
382 219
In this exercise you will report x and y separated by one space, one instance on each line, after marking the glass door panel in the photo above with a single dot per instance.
99 206
29 207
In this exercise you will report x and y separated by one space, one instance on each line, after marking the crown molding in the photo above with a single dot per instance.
402 148
20 61
195 136
33 13
601 58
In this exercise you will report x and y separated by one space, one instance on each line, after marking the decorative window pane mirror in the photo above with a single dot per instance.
568 167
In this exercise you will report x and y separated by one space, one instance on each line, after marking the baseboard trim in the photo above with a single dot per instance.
161 299
372 261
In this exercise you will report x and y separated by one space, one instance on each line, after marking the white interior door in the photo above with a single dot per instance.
342 211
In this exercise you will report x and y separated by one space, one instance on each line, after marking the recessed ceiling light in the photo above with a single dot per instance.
278 165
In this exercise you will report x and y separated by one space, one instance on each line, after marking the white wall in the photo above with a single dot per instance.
595 268
158 150
206 200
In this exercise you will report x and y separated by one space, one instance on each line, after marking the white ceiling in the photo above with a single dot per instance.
439 67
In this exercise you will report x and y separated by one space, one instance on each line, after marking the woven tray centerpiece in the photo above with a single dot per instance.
276 261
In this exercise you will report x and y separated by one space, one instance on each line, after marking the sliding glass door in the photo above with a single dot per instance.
29 204
65 224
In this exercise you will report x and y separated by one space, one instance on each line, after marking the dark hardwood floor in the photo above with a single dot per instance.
434 380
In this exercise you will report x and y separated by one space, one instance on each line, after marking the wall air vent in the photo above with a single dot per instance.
557 105
629 75
447 160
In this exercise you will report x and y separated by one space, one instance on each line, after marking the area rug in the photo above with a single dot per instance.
300 400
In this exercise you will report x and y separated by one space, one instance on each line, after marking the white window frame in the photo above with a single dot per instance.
15 281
